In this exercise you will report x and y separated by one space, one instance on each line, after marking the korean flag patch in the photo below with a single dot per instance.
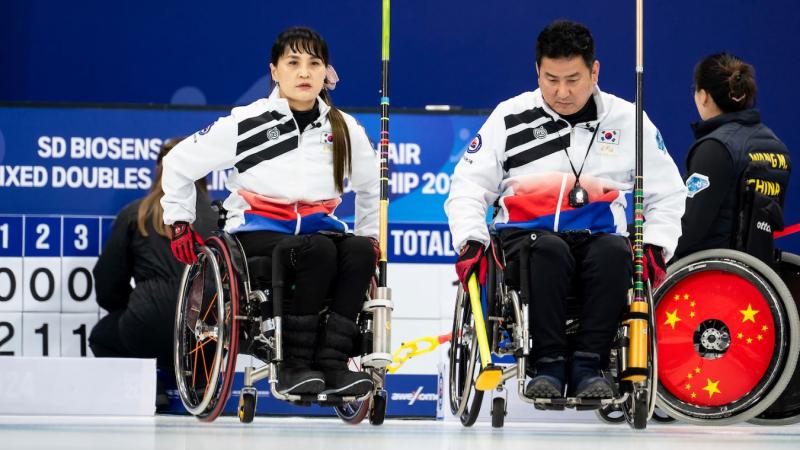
696 183
608 137
475 145
326 138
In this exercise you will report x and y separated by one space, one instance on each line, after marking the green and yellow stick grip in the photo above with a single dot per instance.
490 375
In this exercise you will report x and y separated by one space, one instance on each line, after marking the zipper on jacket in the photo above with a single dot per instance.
299 220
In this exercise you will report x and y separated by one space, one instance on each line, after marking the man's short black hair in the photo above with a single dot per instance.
565 39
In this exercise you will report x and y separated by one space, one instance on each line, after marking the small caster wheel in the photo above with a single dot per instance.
247 406
498 412
378 411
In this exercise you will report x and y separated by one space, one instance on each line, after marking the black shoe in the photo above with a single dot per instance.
586 380
295 375
548 378
300 380
333 352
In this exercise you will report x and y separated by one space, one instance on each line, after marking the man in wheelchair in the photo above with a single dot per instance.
558 162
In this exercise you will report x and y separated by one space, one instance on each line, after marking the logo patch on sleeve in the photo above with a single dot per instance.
696 183
660 143
608 137
206 129
475 145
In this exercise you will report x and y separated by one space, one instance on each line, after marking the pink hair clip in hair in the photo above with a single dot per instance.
331 78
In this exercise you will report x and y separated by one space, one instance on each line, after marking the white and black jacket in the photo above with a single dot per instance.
518 158
282 178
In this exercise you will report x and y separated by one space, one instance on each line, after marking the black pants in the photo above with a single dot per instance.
144 328
321 266
597 267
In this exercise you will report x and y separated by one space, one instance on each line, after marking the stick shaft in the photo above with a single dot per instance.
383 217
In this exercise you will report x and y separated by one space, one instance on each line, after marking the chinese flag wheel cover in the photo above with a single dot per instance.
714 297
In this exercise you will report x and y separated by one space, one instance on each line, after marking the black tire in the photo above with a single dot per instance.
377 413
247 407
498 412
465 400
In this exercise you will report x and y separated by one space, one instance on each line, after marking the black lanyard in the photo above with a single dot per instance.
578 196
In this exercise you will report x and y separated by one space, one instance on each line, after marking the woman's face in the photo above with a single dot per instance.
300 77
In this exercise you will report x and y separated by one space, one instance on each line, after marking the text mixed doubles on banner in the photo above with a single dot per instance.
47 299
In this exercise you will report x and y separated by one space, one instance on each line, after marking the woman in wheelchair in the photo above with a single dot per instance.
560 189
727 266
290 154
737 169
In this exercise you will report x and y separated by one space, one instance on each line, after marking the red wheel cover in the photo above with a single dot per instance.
736 302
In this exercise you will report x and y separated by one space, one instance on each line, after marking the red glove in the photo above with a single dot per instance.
471 260
184 239
655 269
377 247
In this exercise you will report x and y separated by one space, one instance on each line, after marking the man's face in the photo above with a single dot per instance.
566 83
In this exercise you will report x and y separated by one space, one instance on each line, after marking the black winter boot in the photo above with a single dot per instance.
333 351
295 375
548 378
586 380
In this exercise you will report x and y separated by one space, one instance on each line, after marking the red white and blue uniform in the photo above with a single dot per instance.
282 177
518 160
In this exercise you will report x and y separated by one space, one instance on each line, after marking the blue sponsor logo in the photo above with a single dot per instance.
696 183
660 141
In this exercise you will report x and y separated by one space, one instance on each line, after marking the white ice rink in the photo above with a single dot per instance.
178 432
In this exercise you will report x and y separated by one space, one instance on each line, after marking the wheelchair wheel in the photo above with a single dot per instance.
465 399
206 331
247 407
377 413
786 409
498 412
354 412
610 414
727 338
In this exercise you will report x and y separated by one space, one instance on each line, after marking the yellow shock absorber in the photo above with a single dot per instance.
639 342
490 375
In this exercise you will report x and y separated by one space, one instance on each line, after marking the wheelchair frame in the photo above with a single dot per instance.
240 307
507 312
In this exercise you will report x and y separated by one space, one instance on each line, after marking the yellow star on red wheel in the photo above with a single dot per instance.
696 370
748 314
672 318
677 297
712 387
686 296
764 328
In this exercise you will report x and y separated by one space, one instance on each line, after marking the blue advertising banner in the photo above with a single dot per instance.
93 161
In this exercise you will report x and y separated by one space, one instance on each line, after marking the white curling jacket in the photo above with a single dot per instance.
518 160
282 178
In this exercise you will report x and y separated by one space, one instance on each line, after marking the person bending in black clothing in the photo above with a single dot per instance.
141 319
736 164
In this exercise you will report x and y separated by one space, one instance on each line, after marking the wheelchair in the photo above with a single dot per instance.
219 316
729 338
632 366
